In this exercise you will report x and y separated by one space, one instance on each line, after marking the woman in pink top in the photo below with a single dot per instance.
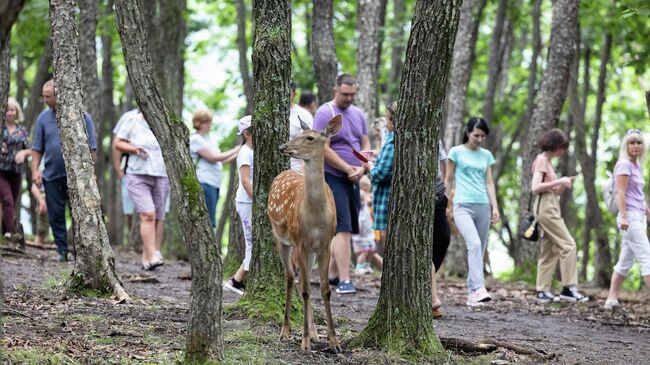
556 243
633 214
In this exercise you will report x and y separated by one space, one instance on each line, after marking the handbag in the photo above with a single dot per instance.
529 227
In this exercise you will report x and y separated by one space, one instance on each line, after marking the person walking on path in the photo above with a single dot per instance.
342 173
556 242
47 146
147 184
244 203
208 160
15 148
633 214
469 170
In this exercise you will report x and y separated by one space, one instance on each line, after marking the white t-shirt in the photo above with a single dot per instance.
245 157
295 129
136 130
125 116
207 172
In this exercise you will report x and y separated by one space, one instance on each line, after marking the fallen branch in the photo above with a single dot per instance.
466 346
41 246
13 311
518 349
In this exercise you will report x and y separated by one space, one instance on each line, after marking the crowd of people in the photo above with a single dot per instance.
361 187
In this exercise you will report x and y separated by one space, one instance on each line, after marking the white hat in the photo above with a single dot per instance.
244 124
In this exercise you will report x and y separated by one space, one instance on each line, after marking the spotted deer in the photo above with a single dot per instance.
303 216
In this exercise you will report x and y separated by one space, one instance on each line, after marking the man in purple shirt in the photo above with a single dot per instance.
342 173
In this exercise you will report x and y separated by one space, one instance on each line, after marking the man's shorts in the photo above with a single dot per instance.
348 202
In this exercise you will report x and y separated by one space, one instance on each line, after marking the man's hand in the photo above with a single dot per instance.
42 207
37 179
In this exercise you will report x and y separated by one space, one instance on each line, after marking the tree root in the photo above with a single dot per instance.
120 295
13 311
490 345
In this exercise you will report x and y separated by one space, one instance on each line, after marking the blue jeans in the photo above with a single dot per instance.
473 222
211 198
56 197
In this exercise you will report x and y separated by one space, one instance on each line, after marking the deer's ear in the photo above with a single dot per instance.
333 126
304 126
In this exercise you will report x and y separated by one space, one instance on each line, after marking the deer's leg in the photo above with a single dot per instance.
285 257
305 291
313 333
325 291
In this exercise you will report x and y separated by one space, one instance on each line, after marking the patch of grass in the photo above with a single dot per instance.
87 318
57 281
248 347
104 341
526 273
36 356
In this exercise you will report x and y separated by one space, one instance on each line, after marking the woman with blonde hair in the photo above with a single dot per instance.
208 160
12 154
633 213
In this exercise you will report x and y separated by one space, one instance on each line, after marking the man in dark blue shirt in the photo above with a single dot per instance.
47 145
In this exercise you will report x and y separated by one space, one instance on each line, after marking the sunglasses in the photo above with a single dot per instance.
632 131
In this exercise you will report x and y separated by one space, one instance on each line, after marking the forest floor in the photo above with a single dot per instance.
43 324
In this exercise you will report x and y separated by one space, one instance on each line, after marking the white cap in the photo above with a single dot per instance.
244 124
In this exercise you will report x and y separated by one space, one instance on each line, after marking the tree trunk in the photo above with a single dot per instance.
229 205
112 199
461 70
271 72
368 24
88 58
402 320
95 265
8 14
21 83
564 37
34 102
397 43
242 46
323 50
593 215
204 332
495 60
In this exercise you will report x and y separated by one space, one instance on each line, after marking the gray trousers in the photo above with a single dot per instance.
473 222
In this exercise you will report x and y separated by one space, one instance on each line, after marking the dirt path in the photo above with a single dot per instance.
42 319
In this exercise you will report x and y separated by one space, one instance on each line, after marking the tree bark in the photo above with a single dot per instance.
495 60
242 46
397 42
229 206
21 83
323 49
564 37
95 265
593 216
368 25
8 14
461 70
34 103
271 73
204 332
112 199
402 320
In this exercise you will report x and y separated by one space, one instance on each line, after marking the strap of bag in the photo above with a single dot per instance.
539 196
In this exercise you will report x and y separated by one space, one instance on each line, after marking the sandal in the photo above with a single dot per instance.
436 313
152 265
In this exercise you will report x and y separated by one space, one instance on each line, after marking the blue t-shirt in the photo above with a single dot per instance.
471 169
48 142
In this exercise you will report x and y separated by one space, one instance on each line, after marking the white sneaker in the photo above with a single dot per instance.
610 304
158 257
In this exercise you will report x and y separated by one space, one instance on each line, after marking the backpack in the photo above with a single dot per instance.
609 193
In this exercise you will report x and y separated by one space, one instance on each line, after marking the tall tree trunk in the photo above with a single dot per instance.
34 103
322 43
593 216
204 332
402 319
21 83
228 206
88 58
271 73
242 46
368 24
495 60
95 265
564 37
397 42
461 70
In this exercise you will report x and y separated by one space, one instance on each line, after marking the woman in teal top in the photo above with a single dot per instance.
474 203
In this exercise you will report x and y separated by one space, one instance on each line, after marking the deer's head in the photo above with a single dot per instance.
309 144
